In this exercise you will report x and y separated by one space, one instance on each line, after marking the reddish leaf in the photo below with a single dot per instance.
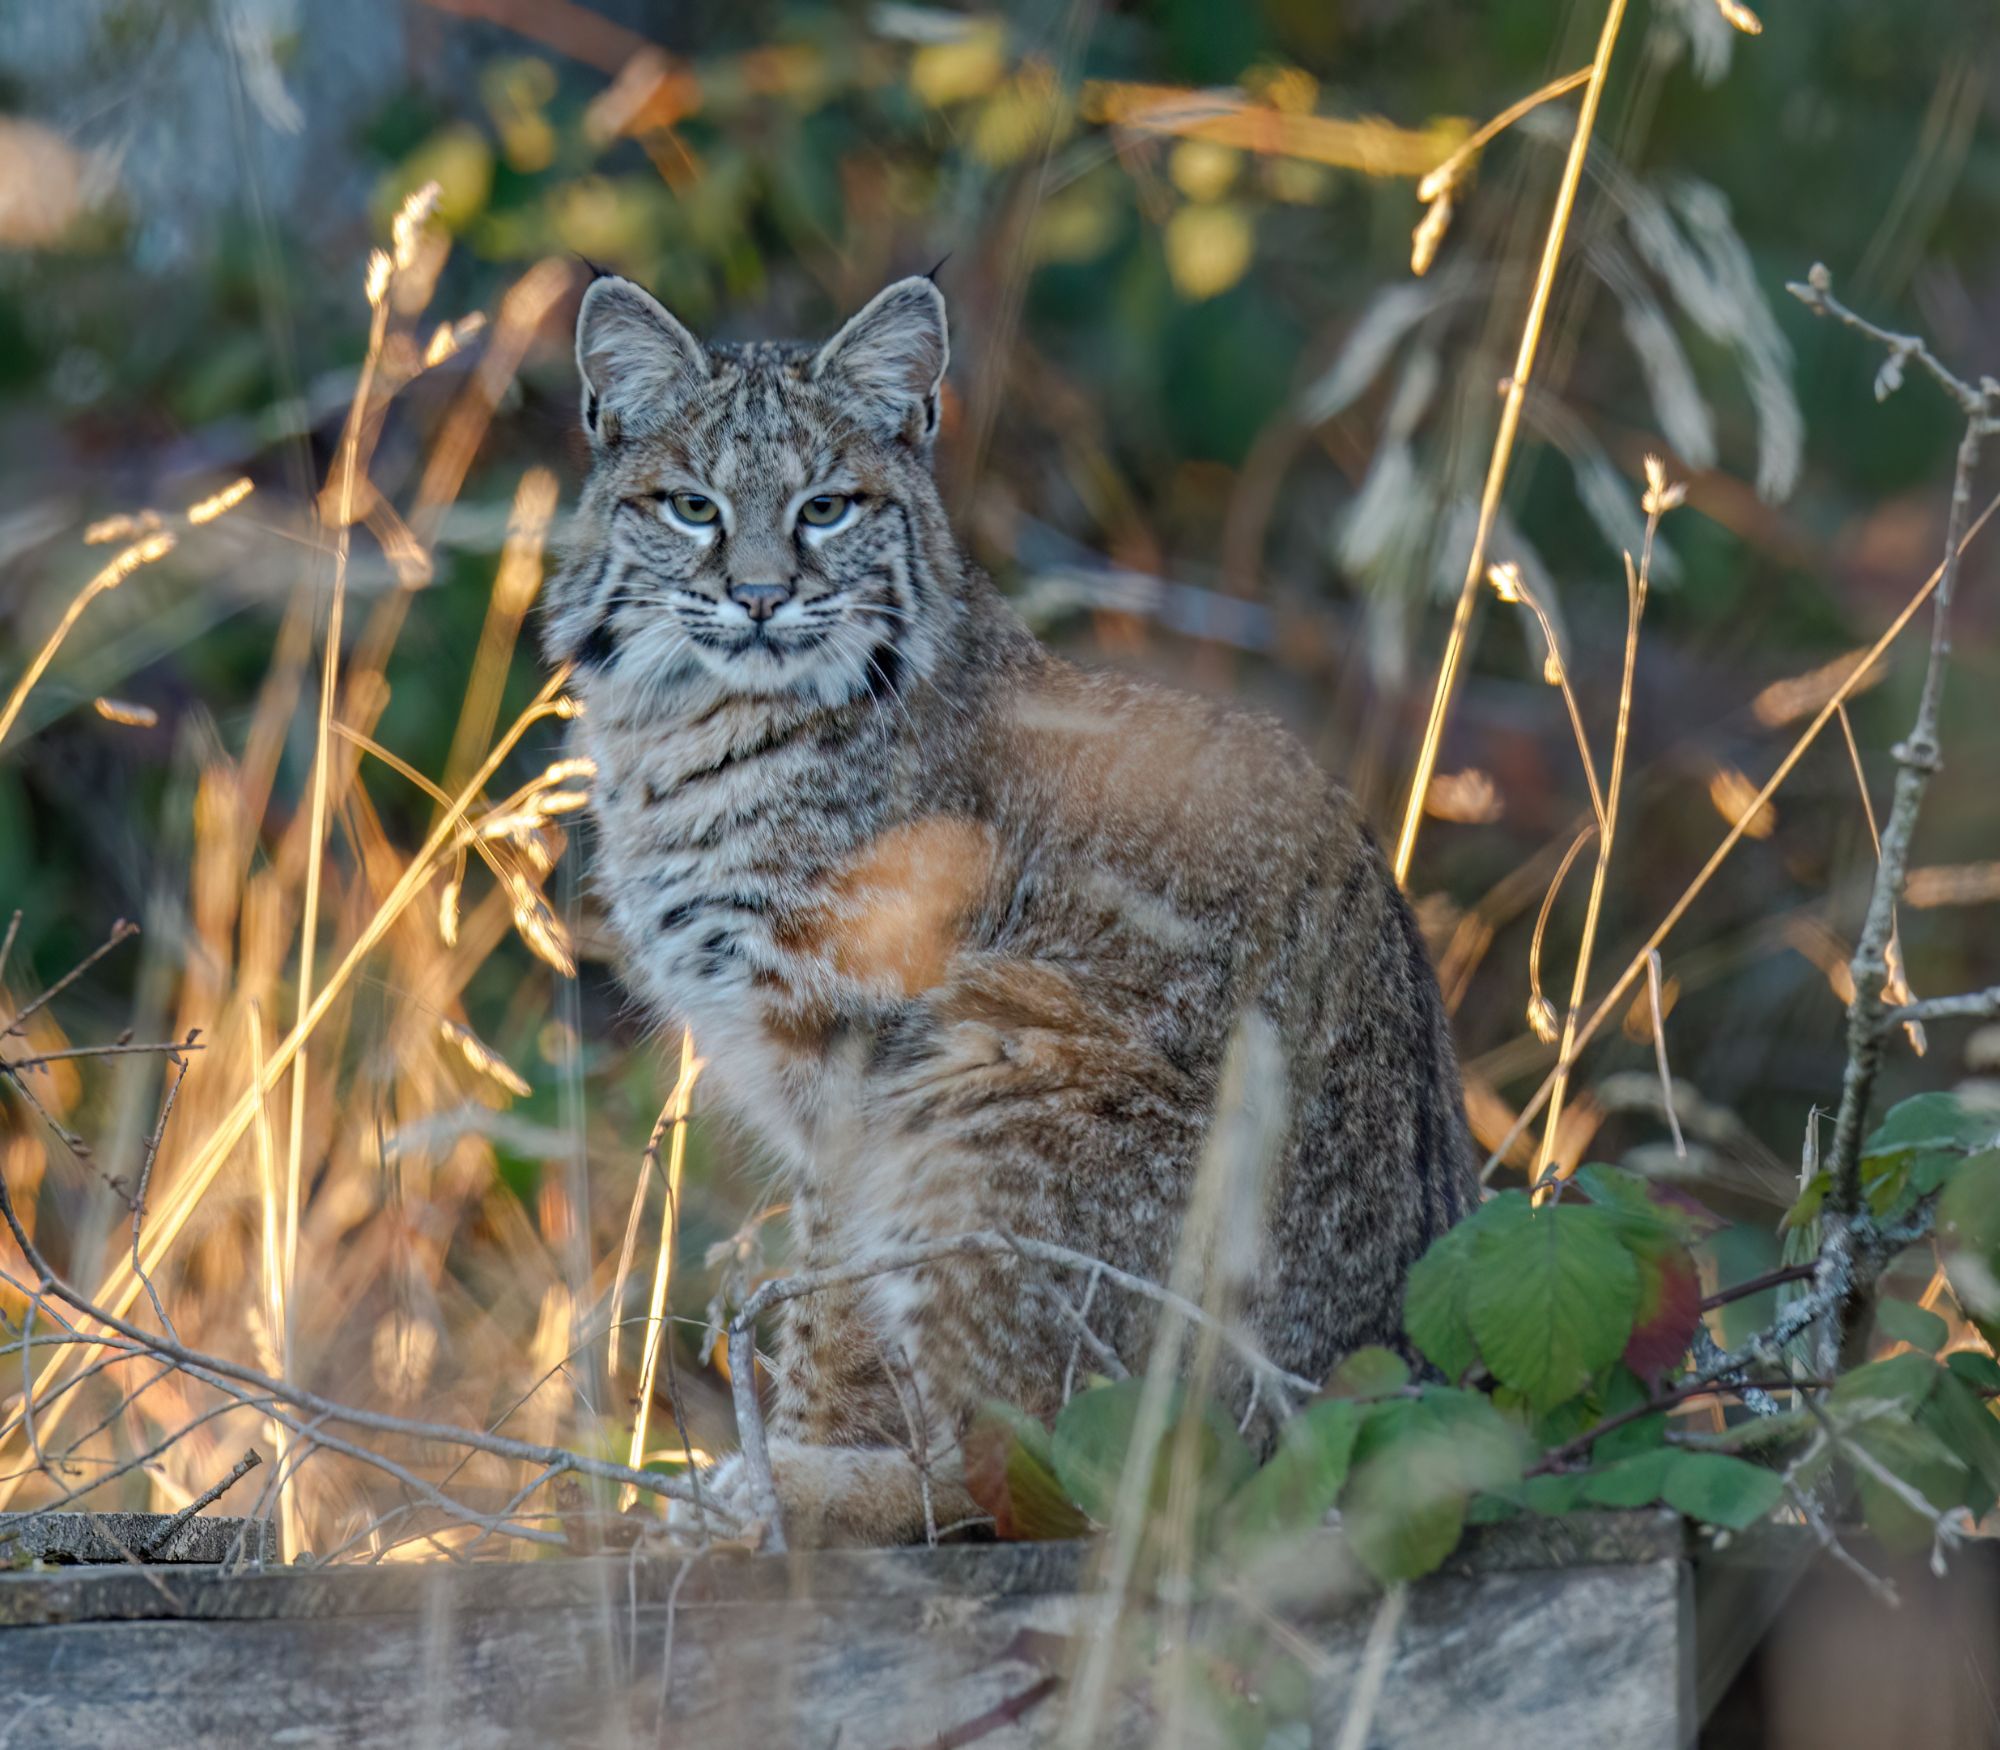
1669 1309
1007 1471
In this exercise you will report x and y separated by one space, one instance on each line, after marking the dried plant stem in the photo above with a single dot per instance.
252 1388
121 1285
1656 1004
663 1265
649 1161
1635 969
143 552
1635 600
1503 442
349 463
1448 174
271 1258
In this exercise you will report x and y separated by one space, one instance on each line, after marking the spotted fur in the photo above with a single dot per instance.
964 932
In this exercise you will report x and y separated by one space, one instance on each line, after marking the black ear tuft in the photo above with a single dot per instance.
934 272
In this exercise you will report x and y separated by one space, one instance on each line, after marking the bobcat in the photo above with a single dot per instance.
964 932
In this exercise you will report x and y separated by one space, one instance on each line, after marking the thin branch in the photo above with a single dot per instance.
207 1498
1917 758
1579 1447
1610 1003
170 1047
1041 1251
1816 293
233 1378
122 931
1978 1005
1759 1284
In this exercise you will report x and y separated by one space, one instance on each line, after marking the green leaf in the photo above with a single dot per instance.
1978 1370
1932 1170
1550 1295
1806 1210
1434 1303
1630 1482
1491 1510
1904 1380
1959 1417
1416 1462
1720 1490
1901 1322
1918 1459
1093 1437
1929 1121
1548 1495
1302 1479
1628 1199
1889 1195
1402 1520
1373 1372
1968 1222
1624 1391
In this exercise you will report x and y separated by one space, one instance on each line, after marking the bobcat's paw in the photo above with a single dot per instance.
728 1510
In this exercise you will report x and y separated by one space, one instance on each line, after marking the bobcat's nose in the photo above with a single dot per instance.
760 600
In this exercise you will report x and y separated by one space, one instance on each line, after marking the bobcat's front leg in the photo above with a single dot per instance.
844 1436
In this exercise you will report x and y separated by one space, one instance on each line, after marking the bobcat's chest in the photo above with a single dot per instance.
765 897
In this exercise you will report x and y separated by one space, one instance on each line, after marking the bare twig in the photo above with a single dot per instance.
1978 1005
1852 682
1041 1251
1659 1016
1917 757
750 1431
240 1381
172 1048
148 1156
1816 293
122 931
207 1498
1759 1284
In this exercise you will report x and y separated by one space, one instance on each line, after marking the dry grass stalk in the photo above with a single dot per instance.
675 1117
1503 442
1660 498
1635 968
121 1285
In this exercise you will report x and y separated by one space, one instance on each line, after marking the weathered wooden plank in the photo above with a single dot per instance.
121 1537
851 1648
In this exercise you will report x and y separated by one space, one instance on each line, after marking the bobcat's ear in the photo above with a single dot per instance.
635 360
890 359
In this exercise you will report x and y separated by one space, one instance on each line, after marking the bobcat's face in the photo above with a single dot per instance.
762 511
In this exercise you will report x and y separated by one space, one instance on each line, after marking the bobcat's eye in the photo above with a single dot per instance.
823 511
694 509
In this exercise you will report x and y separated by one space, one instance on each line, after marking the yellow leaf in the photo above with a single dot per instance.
1208 248
1202 170
969 66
